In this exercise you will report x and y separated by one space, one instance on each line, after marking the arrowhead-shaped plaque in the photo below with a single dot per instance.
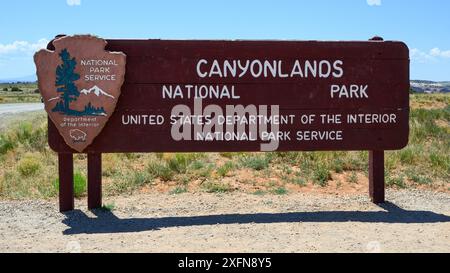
80 83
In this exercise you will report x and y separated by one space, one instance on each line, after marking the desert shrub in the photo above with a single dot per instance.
15 89
391 160
110 165
6 144
179 162
298 180
33 136
255 161
225 169
419 179
423 123
288 157
178 190
205 171
24 131
123 182
38 138
280 191
216 187
354 161
197 165
166 166
439 160
160 169
410 154
28 165
321 175
353 178
397 181
141 178
338 165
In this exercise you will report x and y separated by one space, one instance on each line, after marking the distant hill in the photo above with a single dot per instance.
421 86
29 78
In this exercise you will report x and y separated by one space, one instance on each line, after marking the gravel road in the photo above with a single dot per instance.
413 221
15 108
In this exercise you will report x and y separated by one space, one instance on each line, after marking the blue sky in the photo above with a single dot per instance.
424 25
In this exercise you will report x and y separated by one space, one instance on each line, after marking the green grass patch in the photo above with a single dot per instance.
259 192
439 160
353 178
178 190
108 207
225 169
396 181
159 169
407 155
215 186
280 191
79 184
420 179
297 178
321 175
256 162
141 178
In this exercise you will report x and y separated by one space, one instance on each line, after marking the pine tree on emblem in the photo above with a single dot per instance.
65 78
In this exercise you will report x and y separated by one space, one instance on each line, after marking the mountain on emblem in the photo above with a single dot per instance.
97 91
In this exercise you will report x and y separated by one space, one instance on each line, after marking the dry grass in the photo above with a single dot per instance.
19 92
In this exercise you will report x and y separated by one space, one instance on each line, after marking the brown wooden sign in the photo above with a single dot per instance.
206 96
324 95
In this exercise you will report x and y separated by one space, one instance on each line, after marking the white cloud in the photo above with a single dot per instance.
22 47
433 55
419 56
374 2
436 52
73 2
16 58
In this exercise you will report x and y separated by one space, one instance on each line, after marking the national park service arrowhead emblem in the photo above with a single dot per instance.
80 84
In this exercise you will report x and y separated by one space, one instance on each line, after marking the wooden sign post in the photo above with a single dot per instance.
214 96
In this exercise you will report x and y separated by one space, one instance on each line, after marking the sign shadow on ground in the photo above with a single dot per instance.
106 222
